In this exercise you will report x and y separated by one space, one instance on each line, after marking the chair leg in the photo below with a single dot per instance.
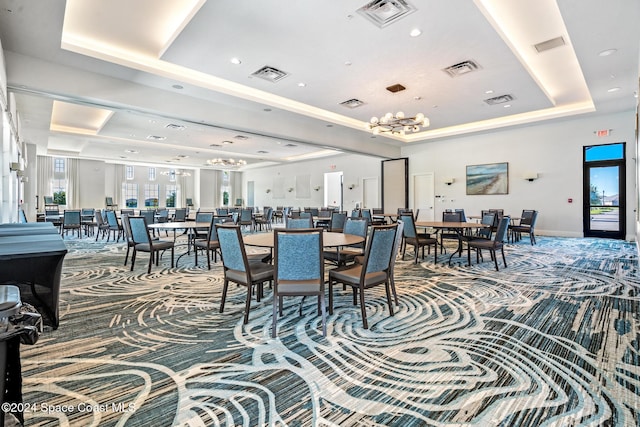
133 258
393 289
363 309
503 257
224 295
274 320
324 315
330 296
150 262
209 258
387 287
172 257
247 304
495 258
126 257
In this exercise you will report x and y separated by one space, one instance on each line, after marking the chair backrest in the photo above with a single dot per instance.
488 218
463 217
180 215
189 202
377 256
396 244
222 211
501 232
366 214
527 217
212 236
88 212
126 227
355 213
409 229
23 217
298 255
112 219
149 215
246 215
234 256
99 218
300 222
108 201
268 214
306 214
48 200
139 230
377 211
355 226
163 215
324 213
71 217
451 217
129 212
337 221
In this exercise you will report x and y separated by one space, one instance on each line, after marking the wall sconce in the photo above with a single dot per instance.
530 176
317 188
449 180
290 189
268 190
351 186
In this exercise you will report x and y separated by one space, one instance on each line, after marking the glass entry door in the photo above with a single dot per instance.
604 190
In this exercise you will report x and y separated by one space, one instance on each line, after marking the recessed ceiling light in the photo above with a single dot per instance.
262 152
613 89
236 61
156 138
507 106
488 91
301 84
227 142
415 32
131 151
177 87
417 98
242 137
267 109
175 126
329 126
348 63
607 52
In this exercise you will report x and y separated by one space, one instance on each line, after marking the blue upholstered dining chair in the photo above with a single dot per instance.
144 243
209 244
71 220
298 269
374 270
246 218
411 237
299 222
346 254
336 224
492 245
113 226
238 269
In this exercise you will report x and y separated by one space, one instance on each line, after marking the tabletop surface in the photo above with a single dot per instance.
329 239
181 224
450 224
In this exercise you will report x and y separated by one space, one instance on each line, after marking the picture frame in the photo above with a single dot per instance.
485 179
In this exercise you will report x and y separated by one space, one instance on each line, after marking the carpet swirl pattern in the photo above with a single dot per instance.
551 340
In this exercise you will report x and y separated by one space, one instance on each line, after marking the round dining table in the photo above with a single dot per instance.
329 239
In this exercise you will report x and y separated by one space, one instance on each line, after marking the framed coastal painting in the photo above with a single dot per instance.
492 178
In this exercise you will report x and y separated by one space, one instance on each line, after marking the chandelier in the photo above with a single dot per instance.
229 163
398 124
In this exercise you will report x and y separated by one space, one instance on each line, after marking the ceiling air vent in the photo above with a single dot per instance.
290 145
549 44
156 138
386 12
241 137
270 74
396 88
499 99
174 126
352 103
461 68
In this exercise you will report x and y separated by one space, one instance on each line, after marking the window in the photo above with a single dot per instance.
172 193
152 174
151 195
129 172
59 182
130 192
225 188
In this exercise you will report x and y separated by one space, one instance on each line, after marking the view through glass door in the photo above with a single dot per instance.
604 191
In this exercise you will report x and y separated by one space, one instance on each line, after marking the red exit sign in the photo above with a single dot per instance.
603 132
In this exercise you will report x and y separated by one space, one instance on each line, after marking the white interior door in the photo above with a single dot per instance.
424 196
370 195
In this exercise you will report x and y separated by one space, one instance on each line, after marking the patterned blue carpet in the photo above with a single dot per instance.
551 340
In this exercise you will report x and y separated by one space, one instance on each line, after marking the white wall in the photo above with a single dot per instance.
355 167
552 149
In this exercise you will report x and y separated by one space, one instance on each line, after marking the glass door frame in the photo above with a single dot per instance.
586 214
